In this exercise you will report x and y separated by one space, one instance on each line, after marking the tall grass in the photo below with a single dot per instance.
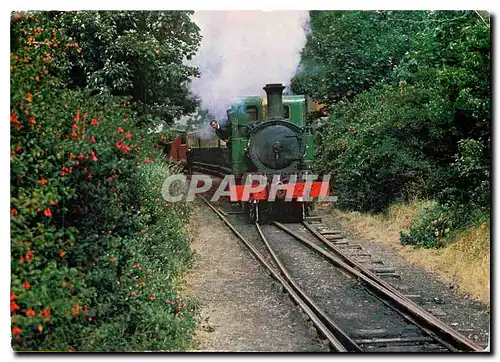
465 260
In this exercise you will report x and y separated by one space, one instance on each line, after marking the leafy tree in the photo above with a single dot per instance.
409 95
199 119
348 52
139 54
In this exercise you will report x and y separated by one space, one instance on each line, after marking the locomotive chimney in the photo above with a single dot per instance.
274 100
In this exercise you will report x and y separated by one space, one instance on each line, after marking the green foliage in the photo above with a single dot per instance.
348 52
409 98
198 120
138 54
90 269
436 225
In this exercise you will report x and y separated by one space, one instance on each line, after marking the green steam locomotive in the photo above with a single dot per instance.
270 137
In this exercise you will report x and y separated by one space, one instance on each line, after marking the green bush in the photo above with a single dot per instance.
91 268
409 100
436 225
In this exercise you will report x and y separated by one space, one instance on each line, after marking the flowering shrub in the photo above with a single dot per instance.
88 268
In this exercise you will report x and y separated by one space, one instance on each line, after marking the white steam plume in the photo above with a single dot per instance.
241 51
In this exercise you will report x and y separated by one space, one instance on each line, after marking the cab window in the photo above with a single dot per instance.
287 112
252 113
183 139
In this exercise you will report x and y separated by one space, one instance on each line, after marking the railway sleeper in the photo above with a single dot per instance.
341 242
399 340
356 254
383 269
390 275
355 246
313 219
409 330
414 296
329 231
432 347
334 236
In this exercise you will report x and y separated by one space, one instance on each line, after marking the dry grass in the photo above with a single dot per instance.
465 261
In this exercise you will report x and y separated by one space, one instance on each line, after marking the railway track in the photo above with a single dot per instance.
416 330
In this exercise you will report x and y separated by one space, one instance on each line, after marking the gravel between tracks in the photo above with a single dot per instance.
462 313
242 309
340 296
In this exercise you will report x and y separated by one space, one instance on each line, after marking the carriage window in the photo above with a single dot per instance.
287 112
183 139
252 114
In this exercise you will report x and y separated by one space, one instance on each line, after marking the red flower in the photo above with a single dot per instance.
29 97
18 148
92 139
13 212
71 349
13 118
42 181
94 122
71 156
30 313
13 306
29 255
16 330
32 121
89 176
94 158
45 313
74 134
75 126
133 294
80 156
113 259
26 285
40 328
62 253
47 212
122 146
76 309
120 130
128 135
13 296
147 160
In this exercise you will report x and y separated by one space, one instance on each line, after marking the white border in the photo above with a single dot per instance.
186 4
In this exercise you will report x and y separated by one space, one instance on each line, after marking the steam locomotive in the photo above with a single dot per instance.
267 138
